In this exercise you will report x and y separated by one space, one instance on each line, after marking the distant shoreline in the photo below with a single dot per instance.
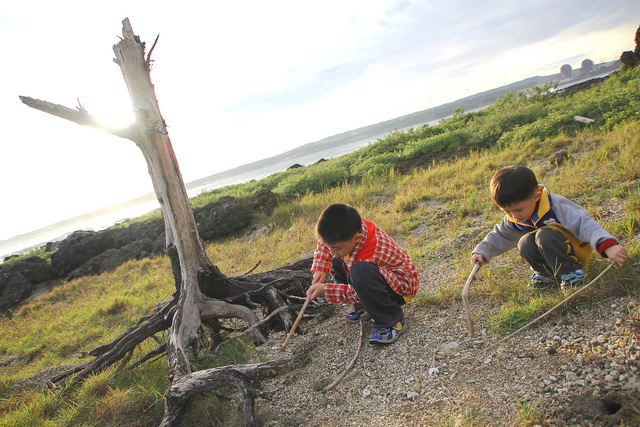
109 216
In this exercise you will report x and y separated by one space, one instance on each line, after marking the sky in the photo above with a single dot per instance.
239 81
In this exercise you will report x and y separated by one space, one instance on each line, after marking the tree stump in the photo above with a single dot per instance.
203 292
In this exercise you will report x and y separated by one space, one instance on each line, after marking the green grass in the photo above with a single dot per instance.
527 410
435 212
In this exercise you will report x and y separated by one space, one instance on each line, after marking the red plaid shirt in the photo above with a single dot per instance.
377 248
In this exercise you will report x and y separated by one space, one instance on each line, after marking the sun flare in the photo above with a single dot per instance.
114 117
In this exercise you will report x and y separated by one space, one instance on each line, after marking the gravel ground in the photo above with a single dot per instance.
582 367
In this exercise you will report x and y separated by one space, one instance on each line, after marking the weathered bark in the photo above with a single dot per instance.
202 290
185 388
108 354
79 116
153 140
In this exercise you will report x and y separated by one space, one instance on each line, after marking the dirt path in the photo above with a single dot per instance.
582 367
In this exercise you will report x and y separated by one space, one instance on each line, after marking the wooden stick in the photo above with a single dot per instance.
570 297
344 373
295 324
465 298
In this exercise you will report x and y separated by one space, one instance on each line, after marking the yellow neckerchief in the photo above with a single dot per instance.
545 217
544 207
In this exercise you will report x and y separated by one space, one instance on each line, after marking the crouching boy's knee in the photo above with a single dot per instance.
362 272
547 236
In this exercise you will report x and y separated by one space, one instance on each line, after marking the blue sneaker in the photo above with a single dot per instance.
388 335
357 315
538 282
572 280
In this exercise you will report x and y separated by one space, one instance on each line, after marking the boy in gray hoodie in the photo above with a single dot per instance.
554 235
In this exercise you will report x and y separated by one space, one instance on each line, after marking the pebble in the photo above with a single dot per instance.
571 376
412 395
400 383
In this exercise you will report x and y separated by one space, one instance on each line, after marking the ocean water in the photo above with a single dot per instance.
106 218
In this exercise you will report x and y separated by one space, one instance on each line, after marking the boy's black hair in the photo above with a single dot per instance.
338 223
513 184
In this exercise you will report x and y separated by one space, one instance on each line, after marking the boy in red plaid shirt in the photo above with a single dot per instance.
370 270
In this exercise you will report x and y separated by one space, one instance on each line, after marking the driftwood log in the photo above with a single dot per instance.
203 292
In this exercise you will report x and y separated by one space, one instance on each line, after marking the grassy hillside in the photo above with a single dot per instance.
432 179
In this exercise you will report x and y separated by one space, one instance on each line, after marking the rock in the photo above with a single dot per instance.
89 253
412 395
449 347
111 259
78 248
619 368
558 158
17 280
571 376
366 392
256 233
34 269
16 290
221 218
263 201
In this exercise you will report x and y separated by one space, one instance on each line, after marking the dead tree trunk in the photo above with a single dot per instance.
202 291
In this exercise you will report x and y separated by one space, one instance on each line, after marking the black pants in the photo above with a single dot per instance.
374 293
549 252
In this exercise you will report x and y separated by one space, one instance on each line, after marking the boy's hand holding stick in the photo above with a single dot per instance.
465 298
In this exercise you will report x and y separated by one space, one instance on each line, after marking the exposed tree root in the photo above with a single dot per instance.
183 389
203 292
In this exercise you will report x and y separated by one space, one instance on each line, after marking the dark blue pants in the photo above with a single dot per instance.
374 293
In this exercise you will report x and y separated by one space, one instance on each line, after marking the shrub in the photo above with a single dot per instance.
547 127
435 144
312 179
375 166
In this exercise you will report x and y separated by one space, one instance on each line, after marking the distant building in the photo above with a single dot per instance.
587 66
566 71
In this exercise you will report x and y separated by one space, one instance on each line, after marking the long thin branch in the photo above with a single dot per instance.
295 324
78 116
564 301
156 352
148 60
465 298
344 373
